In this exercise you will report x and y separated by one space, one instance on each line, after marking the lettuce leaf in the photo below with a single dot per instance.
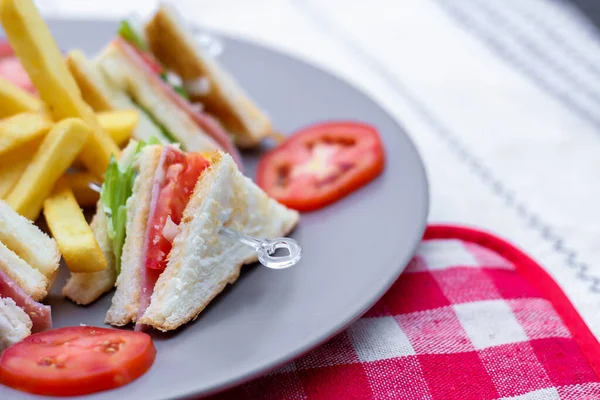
116 190
127 32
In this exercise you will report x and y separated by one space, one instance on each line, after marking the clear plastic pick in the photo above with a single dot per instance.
265 249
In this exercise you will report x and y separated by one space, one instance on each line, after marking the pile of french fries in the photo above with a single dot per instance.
44 139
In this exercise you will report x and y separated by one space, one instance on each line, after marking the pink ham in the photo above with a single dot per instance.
149 275
39 313
207 123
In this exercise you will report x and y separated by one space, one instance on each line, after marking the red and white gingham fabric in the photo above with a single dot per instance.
471 318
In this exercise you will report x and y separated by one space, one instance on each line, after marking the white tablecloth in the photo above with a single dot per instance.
502 98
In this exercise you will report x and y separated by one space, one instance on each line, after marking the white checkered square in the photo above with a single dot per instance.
442 254
435 331
542 394
488 258
379 339
489 323
582 391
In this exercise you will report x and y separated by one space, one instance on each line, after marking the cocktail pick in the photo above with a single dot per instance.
266 248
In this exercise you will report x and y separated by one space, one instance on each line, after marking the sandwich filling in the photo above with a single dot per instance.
174 181
116 190
38 313
136 50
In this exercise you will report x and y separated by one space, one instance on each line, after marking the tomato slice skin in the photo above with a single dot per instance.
322 163
76 360
180 172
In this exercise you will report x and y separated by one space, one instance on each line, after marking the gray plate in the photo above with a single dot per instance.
353 250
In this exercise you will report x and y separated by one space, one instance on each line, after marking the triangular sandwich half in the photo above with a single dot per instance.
205 79
202 262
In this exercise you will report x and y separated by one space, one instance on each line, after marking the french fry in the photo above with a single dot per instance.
33 43
119 124
73 235
13 164
82 70
19 129
56 152
14 100
79 183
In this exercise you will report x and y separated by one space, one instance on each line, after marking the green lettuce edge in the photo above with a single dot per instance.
116 190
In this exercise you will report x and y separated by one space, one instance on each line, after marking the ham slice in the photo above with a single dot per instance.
149 275
204 121
39 313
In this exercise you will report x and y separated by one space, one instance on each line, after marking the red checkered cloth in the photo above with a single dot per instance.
471 318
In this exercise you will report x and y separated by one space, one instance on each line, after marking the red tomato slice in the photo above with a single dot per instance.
76 360
321 164
11 68
179 173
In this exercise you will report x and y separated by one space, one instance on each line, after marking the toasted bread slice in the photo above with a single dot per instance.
86 287
126 300
176 47
101 95
27 240
127 77
32 281
15 324
202 262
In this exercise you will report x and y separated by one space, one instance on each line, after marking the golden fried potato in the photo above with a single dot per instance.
14 100
79 183
119 124
88 81
54 156
13 164
72 233
22 128
33 43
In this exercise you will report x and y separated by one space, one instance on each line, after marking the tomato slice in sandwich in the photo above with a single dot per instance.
11 68
174 182
322 163
76 360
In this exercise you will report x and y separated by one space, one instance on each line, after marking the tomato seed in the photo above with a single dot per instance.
51 362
